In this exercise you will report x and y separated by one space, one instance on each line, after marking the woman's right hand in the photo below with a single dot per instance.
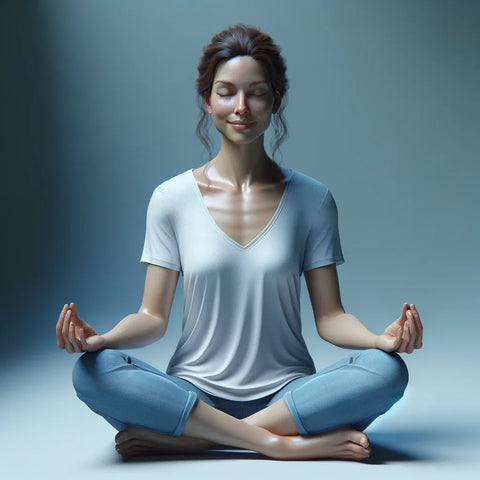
75 335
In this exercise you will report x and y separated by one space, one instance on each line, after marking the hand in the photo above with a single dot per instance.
403 335
75 335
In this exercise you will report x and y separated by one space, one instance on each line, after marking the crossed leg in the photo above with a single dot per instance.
207 426
278 431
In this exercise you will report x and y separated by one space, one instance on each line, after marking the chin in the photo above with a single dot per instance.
241 141
243 138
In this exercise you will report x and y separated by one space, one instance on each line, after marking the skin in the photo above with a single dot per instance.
242 191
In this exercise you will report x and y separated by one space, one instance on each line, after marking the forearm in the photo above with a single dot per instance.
135 330
346 330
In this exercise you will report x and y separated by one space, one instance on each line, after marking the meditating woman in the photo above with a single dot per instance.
241 230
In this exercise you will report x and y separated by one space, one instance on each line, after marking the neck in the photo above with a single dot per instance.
239 166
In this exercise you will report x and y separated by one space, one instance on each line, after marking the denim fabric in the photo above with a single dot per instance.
127 391
353 391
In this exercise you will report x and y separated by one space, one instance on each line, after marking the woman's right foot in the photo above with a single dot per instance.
343 443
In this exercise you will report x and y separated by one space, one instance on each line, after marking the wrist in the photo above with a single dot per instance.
106 341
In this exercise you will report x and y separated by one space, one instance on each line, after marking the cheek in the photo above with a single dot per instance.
221 107
261 106
266 110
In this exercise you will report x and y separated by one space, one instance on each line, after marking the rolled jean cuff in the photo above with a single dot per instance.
189 404
288 399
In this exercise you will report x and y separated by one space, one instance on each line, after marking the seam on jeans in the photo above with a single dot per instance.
292 407
191 400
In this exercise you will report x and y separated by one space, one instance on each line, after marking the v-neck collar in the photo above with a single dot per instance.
288 173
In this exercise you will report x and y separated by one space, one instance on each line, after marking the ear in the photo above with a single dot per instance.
277 101
206 102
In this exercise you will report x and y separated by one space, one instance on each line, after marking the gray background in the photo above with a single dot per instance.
98 107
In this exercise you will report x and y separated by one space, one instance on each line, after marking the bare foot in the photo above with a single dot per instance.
136 441
343 443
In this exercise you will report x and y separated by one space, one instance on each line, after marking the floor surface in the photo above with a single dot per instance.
47 433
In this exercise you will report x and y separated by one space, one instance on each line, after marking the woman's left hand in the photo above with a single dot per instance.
403 335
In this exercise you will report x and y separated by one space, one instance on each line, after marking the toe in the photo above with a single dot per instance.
358 452
126 434
359 438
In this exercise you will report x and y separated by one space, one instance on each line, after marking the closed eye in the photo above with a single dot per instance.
251 94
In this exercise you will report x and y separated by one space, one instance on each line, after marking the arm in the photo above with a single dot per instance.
135 330
346 330
150 322
333 324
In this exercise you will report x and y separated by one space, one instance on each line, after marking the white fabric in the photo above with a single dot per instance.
241 336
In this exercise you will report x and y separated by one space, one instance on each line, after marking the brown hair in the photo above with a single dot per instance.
242 40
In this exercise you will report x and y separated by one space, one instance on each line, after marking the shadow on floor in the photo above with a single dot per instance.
412 445
219 453
382 454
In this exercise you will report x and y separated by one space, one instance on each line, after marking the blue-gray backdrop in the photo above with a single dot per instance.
98 107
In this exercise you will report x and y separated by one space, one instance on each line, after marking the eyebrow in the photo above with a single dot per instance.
232 84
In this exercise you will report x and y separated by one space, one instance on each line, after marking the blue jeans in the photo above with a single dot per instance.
127 391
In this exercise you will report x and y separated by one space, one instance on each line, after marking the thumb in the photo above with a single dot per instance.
393 341
91 344
76 321
88 345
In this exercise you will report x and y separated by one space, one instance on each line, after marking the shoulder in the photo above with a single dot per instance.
309 189
174 188
175 185
170 194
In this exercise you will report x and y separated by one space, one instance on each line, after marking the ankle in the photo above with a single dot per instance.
277 447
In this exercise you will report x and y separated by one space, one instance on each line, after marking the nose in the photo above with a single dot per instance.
240 104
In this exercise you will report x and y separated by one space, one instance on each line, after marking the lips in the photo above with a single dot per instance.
239 125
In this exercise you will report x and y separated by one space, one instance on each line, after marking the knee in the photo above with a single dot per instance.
389 368
91 369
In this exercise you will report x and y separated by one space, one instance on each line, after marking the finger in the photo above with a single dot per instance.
73 306
59 327
411 323
72 339
76 321
405 339
419 327
66 330
83 340
403 315
398 340
75 317
411 330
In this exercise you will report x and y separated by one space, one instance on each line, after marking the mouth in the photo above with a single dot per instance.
240 125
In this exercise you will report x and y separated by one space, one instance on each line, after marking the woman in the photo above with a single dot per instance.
241 230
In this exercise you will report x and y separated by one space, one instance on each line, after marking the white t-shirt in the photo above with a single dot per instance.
241 336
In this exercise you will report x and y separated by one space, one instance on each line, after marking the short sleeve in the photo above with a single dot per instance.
323 242
160 247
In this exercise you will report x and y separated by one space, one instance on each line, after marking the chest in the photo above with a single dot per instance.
242 215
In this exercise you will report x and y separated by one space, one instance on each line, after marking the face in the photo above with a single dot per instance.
241 101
